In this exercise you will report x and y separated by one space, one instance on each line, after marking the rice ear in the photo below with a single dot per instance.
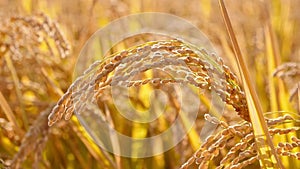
195 66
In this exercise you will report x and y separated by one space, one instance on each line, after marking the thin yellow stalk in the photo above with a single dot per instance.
9 113
271 59
278 96
92 148
298 97
255 108
51 81
18 91
275 56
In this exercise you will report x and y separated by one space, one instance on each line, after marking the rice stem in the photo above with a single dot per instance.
255 108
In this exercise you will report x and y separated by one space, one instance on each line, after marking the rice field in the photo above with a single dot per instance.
149 84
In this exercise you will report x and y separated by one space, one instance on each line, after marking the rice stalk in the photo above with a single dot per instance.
9 114
298 97
18 91
255 108
277 89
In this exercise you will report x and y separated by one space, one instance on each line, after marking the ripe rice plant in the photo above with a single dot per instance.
258 128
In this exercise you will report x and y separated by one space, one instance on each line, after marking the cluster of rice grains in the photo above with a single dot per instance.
191 66
243 151
291 73
34 141
27 37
